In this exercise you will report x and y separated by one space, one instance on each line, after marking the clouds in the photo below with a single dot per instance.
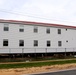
2 2
57 11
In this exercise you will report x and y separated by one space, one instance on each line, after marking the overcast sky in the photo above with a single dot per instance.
51 11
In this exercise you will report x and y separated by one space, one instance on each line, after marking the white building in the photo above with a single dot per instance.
34 37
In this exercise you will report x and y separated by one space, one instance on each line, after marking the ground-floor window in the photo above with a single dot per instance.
59 43
35 42
5 42
21 42
48 43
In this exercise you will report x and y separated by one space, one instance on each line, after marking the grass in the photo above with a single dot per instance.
36 64
31 59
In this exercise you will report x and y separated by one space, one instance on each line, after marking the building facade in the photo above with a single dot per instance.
34 37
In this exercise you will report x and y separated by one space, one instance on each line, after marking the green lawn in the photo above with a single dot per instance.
36 64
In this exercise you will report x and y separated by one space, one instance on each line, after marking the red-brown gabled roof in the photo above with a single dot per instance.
37 23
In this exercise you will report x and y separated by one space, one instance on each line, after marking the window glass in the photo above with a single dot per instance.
35 29
48 30
48 43
21 30
59 31
35 42
6 27
59 43
21 42
5 42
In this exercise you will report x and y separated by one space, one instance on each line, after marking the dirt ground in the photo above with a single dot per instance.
20 71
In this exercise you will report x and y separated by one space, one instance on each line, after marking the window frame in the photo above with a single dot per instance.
35 43
21 30
48 43
66 29
35 29
59 43
21 43
6 27
5 42
48 30
59 31
67 41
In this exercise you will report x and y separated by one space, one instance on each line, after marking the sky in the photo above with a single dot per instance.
47 11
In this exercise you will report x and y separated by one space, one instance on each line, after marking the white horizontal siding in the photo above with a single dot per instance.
15 50
42 50
29 50
4 51
13 35
35 50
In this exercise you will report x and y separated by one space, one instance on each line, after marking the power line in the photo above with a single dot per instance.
16 13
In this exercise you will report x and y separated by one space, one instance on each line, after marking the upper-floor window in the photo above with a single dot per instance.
35 29
59 31
48 43
59 43
6 27
21 42
21 28
48 30
5 42
35 42
66 40
66 29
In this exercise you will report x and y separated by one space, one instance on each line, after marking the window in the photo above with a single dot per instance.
59 43
35 42
66 29
35 29
6 27
5 42
48 30
21 42
48 43
59 31
21 30
66 40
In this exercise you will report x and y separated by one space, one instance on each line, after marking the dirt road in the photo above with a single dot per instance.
20 71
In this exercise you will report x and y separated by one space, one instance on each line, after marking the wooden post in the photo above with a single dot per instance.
46 52
35 54
22 53
73 52
65 52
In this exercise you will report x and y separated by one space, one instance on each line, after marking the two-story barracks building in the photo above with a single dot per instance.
33 37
